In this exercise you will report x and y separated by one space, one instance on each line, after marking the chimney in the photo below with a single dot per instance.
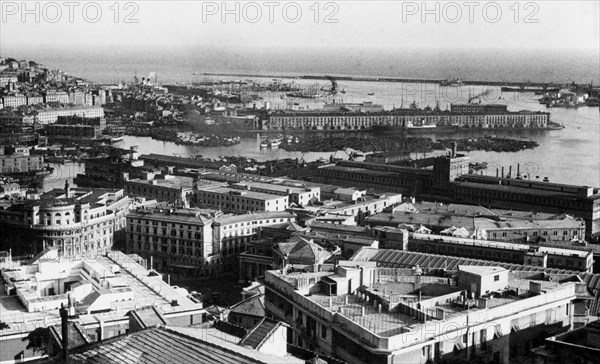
454 149
496 172
64 322
509 171
67 189
518 169
503 176
535 287
66 313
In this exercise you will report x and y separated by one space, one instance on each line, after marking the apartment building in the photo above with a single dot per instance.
360 313
198 240
79 222
241 201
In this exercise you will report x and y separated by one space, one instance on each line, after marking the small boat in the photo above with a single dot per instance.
264 144
371 93
116 139
296 140
343 91
275 143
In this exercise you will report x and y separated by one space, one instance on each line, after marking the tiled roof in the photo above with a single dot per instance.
251 306
169 345
148 317
259 334
77 337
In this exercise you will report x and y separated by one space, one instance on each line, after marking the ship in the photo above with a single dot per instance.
451 82
115 138
478 166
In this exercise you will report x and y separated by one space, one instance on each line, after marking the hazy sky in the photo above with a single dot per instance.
557 25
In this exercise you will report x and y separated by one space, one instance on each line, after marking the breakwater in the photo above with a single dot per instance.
530 85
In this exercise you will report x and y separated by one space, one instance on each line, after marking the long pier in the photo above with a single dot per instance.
525 85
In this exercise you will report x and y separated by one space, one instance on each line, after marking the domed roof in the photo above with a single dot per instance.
302 251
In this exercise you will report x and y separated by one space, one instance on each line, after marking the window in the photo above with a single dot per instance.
496 278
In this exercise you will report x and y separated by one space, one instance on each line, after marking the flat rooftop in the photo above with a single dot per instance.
173 182
147 290
433 292
240 193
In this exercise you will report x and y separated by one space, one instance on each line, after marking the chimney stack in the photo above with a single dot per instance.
67 189
454 149
64 323
509 171
503 176
66 314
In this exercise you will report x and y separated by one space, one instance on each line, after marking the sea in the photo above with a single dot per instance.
570 155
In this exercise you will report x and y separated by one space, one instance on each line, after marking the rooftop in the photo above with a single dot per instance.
124 285
399 302
170 345
242 193
173 182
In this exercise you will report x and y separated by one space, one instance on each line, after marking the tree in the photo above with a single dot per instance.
39 340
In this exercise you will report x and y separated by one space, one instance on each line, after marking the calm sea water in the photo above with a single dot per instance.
571 155
178 64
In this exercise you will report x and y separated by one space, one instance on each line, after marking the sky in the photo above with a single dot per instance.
152 24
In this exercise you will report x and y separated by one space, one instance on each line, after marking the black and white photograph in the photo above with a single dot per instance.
299 182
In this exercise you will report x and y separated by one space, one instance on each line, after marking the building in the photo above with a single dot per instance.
570 259
387 157
248 313
580 345
100 291
525 194
79 222
111 172
9 189
6 79
484 223
57 96
360 313
478 108
72 132
432 176
172 237
20 163
403 118
15 100
240 201
300 196
49 115
162 187
196 240
35 99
